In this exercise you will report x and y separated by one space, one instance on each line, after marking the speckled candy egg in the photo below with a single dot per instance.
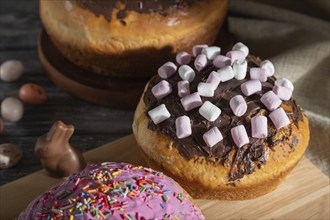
10 155
12 109
32 94
11 70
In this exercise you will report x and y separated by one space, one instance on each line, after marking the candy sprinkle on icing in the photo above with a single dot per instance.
114 191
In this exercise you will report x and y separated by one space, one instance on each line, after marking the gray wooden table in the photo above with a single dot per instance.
20 27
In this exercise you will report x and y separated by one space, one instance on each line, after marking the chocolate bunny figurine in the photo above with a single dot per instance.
57 156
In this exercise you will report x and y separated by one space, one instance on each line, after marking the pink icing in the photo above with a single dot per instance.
114 191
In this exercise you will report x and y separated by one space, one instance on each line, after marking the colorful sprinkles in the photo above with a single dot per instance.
107 191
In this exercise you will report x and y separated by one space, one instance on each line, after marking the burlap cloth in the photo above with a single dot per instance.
294 35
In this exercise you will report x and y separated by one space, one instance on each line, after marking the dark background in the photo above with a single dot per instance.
20 27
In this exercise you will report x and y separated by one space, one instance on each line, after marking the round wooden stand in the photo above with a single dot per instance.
86 85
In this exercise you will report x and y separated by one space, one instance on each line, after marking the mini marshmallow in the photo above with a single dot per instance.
259 126
221 61
209 111
226 73
161 89
235 55
282 92
270 100
211 52
212 137
197 49
258 73
183 58
200 62
268 66
213 79
186 73
183 127
183 88
159 114
239 135
284 82
279 118
240 69
250 87
238 105
167 70
191 101
240 46
205 89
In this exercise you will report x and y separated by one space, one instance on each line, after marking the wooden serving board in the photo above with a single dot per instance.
304 194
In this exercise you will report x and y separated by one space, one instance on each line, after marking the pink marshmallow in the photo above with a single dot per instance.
259 126
200 62
235 55
258 73
282 92
212 137
183 127
183 58
191 101
238 105
214 79
239 135
221 61
161 89
279 118
183 88
250 87
197 49
167 70
270 100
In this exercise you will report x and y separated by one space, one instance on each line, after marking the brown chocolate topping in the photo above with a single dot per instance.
106 7
240 161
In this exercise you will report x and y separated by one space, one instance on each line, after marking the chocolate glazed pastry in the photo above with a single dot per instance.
129 38
224 170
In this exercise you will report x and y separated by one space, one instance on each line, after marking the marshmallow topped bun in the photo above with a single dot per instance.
221 124
129 38
114 191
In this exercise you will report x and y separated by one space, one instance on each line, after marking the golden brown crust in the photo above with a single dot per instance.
105 47
209 181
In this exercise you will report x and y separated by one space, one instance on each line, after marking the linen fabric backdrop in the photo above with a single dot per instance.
294 35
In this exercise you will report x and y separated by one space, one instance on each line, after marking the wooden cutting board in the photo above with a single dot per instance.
304 194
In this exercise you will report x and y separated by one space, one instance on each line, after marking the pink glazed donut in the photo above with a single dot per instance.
114 191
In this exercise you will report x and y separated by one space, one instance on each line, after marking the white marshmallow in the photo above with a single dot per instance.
226 73
240 69
285 83
197 49
268 66
205 89
186 73
159 114
211 52
240 46
209 111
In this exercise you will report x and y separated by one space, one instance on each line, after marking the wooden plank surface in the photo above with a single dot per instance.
304 195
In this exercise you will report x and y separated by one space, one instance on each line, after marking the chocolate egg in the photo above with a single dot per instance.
10 154
11 70
1 125
32 94
12 109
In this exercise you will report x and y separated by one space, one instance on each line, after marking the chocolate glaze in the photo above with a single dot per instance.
106 7
239 161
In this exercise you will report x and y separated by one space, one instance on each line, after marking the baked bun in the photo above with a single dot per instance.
229 135
114 191
129 38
